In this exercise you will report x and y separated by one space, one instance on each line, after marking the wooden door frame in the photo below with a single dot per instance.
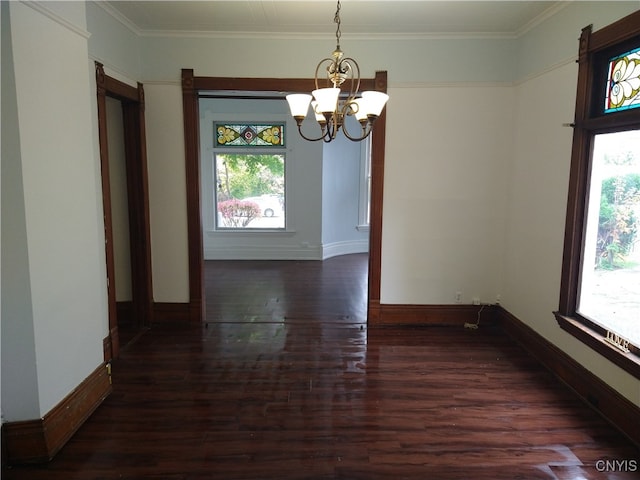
191 86
132 100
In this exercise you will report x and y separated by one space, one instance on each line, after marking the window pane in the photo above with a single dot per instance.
623 85
250 191
610 283
249 135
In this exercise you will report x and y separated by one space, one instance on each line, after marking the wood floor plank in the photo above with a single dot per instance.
286 382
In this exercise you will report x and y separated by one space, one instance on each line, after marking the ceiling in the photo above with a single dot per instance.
309 18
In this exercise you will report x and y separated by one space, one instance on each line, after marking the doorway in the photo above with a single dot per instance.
191 86
126 209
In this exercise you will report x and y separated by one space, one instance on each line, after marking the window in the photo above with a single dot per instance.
364 207
600 286
249 172
609 292
623 82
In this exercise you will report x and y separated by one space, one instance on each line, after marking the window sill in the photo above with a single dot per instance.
630 362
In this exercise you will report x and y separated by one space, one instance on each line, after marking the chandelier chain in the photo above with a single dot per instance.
336 20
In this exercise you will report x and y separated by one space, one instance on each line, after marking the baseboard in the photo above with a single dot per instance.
166 312
125 312
262 252
430 315
38 440
107 348
335 249
611 405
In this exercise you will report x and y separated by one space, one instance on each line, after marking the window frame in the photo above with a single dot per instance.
364 204
247 151
208 149
590 120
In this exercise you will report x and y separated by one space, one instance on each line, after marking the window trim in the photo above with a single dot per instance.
590 121
364 204
208 148
215 227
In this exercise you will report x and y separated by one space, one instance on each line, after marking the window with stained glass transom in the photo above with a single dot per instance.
248 167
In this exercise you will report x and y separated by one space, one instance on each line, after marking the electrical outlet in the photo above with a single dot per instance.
458 297
476 300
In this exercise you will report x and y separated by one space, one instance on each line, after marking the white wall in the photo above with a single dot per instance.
342 173
406 60
537 196
18 359
167 192
446 164
64 261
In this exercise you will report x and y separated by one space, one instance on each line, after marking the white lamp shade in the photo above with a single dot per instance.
361 109
327 99
299 104
375 102
319 116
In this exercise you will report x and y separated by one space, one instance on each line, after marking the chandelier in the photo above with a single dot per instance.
330 106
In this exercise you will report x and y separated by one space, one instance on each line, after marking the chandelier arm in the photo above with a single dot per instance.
323 137
365 124
367 128
320 64
348 109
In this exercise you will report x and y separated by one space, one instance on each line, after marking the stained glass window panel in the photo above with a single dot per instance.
249 135
623 83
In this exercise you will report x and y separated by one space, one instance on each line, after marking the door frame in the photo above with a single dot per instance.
191 86
132 100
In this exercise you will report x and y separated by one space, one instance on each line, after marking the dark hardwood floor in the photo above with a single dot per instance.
287 382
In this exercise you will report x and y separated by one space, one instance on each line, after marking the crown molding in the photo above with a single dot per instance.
532 76
41 8
119 17
548 13
323 36
274 35
118 73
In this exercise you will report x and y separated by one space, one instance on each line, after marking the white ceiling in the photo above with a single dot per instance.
312 18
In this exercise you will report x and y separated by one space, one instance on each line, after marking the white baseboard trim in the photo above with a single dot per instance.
344 248
263 253
272 252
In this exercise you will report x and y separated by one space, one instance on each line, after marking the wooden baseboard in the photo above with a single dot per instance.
125 312
430 315
38 440
107 349
171 312
618 410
